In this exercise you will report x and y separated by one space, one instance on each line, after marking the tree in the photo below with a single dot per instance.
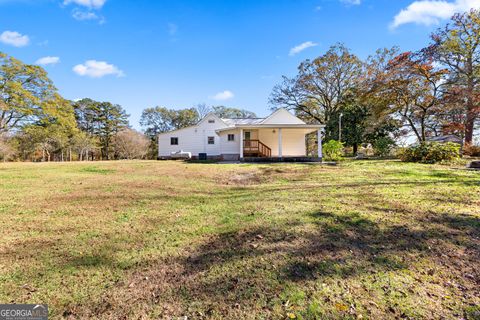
51 133
7 150
24 92
86 114
232 113
102 121
354 122
203 110
160 119
111 119
457 46
316 93
83 143
131 144
413 87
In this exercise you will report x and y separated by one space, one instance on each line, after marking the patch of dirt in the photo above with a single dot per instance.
245 178
266 174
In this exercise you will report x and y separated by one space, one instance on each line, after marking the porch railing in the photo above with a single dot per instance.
251 147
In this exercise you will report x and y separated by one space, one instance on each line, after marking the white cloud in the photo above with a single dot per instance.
48 60
352 2
95 4
14 38
430 12
301 47
97 69
87 15
84 15
222 96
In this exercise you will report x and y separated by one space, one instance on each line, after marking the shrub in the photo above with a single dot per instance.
333 150
430 152
383 146
472 151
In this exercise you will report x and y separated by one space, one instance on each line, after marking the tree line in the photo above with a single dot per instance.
431 92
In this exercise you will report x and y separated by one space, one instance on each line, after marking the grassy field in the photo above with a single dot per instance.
371 240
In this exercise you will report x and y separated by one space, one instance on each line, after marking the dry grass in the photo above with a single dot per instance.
168 239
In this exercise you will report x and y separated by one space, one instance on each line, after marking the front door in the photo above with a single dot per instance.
247 135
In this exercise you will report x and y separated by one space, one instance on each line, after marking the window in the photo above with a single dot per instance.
174 141
211 121
231 137
247 135
211 140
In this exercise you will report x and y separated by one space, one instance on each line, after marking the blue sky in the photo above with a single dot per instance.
177 54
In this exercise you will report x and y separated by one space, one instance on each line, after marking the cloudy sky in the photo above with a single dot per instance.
178 53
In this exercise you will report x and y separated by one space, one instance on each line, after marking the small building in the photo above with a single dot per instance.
278 137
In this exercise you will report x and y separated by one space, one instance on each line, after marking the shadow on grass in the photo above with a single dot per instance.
244 272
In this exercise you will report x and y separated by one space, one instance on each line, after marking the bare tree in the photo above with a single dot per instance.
131 144
7 151
203 110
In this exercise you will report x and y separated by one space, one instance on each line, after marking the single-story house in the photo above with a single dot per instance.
278 137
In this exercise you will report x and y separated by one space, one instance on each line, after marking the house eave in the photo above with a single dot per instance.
274 126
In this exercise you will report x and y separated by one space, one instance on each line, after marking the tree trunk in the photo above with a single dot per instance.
469 124
355 149
470 114
424 138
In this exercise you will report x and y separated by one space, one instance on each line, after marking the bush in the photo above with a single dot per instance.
383 146
333 150
472 151
430 152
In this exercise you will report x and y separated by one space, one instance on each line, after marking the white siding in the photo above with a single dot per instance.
230 147
193 139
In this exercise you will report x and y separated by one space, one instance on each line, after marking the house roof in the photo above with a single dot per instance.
279 118
242 121
246 123
446 138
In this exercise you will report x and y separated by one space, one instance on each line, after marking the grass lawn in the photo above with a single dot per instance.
366 239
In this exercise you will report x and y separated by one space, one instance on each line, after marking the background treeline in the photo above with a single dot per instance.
391 94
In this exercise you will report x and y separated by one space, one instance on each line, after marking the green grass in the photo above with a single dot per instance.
365 239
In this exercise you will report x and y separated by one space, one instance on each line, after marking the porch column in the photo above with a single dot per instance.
280 142
319 139
241 143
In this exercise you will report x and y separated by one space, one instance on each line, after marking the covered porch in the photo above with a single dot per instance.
278 143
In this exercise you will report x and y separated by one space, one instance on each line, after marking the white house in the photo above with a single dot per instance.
280 136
